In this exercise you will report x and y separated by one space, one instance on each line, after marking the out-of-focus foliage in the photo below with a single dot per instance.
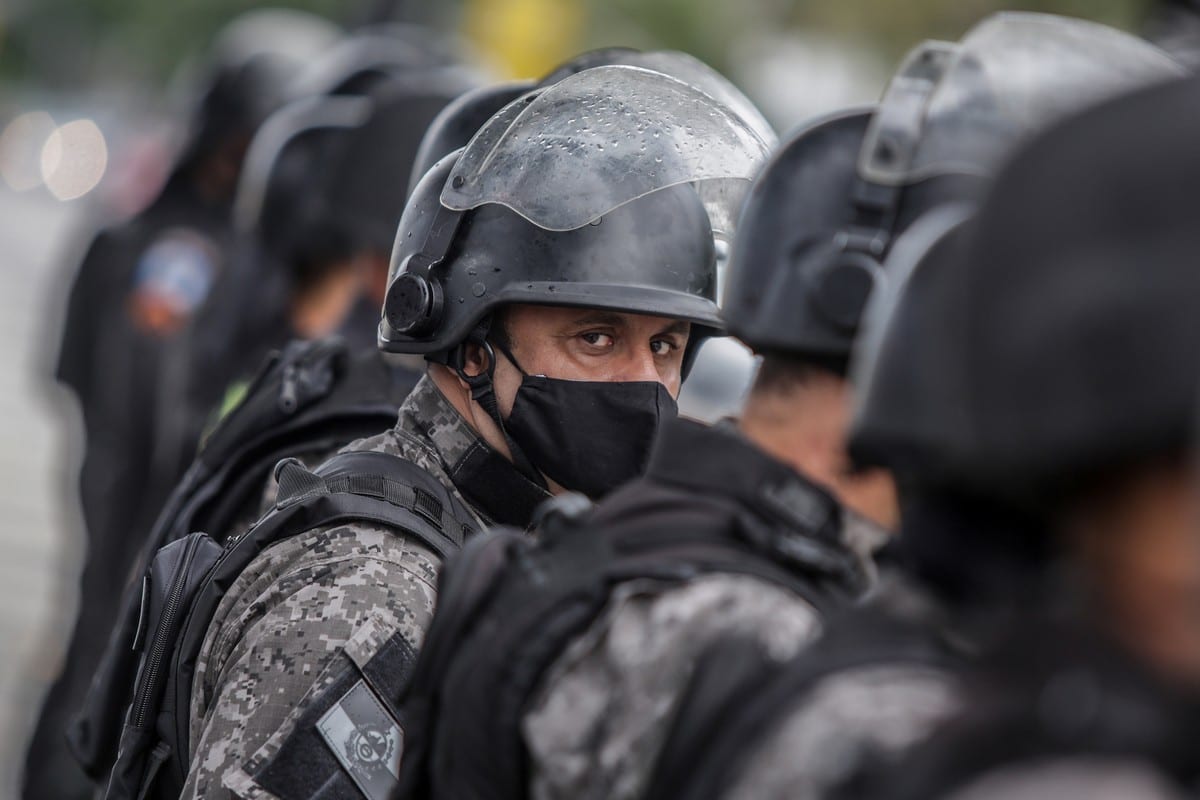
894 26
62 42
66 42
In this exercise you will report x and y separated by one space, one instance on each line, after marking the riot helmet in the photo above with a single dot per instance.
1055 337
823 216
604 190
338 164
679 65
893 423
463 118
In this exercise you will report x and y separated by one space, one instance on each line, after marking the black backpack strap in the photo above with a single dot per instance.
719 535
287 382
465 585
397 482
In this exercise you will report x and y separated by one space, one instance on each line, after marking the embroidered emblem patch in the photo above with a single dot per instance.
366 741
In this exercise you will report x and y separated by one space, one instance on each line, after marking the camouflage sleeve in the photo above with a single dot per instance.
283 627
597 722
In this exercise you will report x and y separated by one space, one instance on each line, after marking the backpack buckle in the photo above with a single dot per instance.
295 482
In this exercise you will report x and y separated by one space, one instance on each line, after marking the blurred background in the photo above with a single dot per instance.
92 101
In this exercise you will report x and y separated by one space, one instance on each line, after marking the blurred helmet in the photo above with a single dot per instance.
454 126
823 216
719 380
1056 336
248 71
280 199
898 389
603 190
327 177
380 51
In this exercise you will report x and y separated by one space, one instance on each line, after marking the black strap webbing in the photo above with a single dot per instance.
375 475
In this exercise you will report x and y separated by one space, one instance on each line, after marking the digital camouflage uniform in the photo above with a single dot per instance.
288 624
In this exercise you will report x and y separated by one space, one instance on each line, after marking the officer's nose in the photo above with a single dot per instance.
643 366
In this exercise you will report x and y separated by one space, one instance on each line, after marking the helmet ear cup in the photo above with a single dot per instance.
413 305
843 287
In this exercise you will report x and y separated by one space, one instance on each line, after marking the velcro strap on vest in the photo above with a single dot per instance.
297 484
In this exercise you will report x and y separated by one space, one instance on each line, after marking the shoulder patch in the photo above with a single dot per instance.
174 276
366 741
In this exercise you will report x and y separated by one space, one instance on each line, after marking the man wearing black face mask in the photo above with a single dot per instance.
557 281
591 427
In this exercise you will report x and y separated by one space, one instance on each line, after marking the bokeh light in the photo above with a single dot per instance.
74 159
21 145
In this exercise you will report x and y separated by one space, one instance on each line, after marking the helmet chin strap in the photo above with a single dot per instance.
483 392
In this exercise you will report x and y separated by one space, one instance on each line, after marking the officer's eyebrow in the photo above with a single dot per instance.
680 326
596 317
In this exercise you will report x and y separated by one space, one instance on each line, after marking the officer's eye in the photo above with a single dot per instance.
598 339
663 347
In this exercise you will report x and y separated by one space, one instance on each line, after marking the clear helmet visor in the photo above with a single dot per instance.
959 108
566 155
695 72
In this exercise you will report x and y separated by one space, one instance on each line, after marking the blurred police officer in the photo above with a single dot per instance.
130 300
556 276
881 677
315 224
1077 283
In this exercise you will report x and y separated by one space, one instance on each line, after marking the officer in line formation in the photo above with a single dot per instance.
949 548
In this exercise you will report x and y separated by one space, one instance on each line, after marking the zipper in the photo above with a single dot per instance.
162 637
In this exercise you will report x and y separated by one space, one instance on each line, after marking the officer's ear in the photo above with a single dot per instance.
476 358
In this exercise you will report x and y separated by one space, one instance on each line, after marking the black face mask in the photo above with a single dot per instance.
587 436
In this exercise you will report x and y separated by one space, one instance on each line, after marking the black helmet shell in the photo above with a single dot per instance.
654 255
1062 340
